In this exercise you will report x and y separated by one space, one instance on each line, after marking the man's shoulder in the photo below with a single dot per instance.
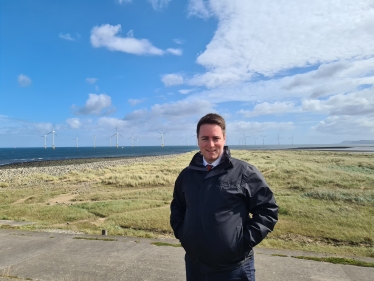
244 166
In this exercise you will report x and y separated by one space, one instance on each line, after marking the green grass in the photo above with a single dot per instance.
166 244
337 260
326 199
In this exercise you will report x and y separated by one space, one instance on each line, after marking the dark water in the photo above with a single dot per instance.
20 155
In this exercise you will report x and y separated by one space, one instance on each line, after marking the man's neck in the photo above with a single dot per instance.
214 163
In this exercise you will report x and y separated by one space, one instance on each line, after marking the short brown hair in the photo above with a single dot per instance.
213 119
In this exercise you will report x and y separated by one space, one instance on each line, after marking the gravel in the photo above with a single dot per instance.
18 171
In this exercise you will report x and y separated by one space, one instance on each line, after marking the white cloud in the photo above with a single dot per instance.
24 80
347 125
178 41
239 128
135 101
95 105
124 1
199 8
181 108
177 52
358 103
66 36
109 122
180 116
266 38
266 108
105 36
159 4
172 79
74 123
186 91
91 80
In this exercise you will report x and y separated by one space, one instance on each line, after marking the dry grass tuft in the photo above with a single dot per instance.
326 199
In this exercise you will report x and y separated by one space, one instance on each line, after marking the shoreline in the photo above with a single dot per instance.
60 167
64 162
78 161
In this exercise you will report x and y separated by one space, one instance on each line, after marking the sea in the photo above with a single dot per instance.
31 154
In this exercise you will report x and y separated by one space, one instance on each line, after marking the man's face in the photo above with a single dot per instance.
211 141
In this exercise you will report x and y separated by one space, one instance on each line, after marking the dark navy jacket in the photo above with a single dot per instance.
210 211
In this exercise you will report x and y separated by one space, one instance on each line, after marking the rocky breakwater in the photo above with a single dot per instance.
17 172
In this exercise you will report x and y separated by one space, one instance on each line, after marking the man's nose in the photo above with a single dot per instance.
211 143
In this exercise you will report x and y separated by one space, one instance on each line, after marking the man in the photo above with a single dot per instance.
212 200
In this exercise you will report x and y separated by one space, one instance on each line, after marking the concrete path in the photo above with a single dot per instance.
52 256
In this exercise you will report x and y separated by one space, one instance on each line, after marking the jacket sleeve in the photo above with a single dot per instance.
177 207
261 205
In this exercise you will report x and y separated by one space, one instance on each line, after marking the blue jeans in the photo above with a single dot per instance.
244 273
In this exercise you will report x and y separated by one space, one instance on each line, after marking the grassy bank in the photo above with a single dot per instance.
326 199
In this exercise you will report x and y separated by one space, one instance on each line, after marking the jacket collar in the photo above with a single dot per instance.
197 162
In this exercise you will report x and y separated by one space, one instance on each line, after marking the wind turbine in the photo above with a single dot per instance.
291 138
263 139
132 140
110 141
197 143
53 132
77 142
187 137
137 141
245 139
162 138
278 138
94 141
255 140
116 134
45 140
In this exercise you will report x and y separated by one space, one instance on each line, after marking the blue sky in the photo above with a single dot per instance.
300 70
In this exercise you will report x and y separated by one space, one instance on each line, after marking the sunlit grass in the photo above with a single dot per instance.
326 199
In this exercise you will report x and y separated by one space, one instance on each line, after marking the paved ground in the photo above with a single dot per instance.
52 256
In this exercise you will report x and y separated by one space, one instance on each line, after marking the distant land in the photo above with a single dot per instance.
358 142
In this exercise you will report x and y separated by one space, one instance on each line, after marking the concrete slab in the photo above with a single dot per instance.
55 256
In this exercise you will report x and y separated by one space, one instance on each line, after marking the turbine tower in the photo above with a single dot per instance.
45 140
94 141
116 134
278 138
53 132
132 140
255 140
162 138
263 139
245 139
291 138
137 141
76 139
110 141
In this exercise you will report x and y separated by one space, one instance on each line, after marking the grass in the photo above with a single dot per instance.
337 260
326 199
166 244
95 238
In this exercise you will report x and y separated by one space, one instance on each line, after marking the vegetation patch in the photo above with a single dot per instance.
94 238
336 260
166 244
325 199
361 197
